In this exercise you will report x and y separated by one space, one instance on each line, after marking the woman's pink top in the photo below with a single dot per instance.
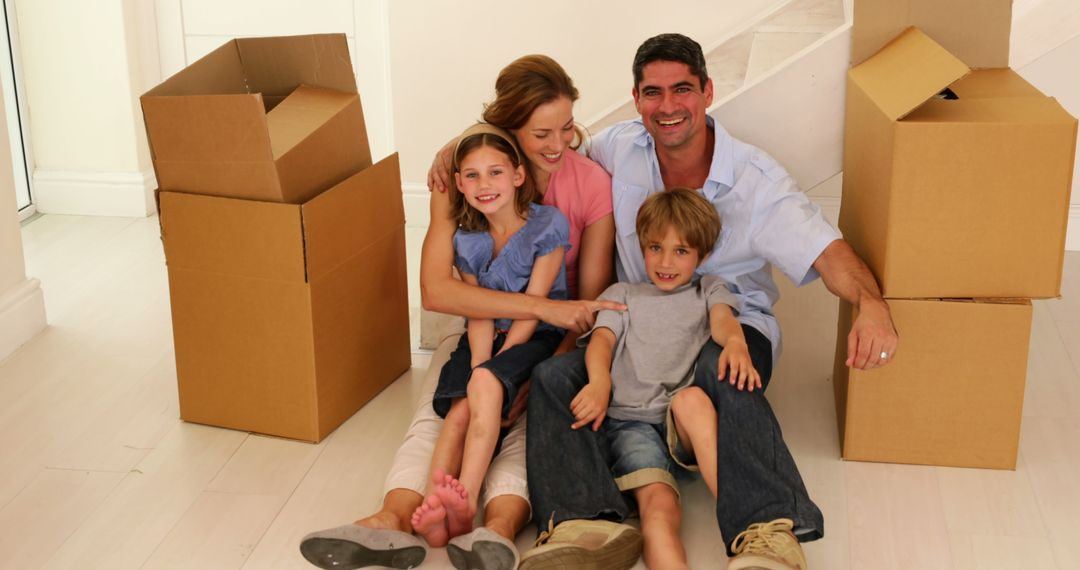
581 189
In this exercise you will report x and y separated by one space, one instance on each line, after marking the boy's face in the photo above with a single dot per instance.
669 261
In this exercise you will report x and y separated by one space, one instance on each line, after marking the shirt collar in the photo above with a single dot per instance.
721 171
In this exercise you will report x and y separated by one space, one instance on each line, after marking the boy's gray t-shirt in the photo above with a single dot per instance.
658 339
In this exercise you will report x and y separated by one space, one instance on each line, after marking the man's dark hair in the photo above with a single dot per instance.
671 47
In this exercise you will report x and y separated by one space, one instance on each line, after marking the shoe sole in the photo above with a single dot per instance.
485 555
619 554
759 563
337 554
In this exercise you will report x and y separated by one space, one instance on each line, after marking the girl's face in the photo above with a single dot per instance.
488 180
548 134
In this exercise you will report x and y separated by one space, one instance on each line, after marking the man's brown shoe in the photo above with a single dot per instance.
586 545
767 546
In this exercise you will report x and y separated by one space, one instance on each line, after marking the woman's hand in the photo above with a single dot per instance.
438 177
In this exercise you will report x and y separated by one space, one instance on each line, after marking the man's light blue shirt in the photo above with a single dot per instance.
766 219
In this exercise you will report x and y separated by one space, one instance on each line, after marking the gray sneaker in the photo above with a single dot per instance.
585 545
352 546
482 549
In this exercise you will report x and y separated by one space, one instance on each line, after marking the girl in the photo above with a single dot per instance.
505 242
534 100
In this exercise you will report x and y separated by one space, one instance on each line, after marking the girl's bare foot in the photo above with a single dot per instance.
429 521
455 500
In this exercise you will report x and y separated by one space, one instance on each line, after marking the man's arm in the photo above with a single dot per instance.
440 291
847 277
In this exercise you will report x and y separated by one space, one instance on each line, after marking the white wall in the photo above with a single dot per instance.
1056 74
81 68
445 55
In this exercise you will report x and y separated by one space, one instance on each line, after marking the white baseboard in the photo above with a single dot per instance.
22 315
416 198
128 194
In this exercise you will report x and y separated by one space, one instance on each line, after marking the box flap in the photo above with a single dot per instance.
985 83
908 71
207 128
275 66
234 237
1000 110
302 113
976 31
342 221
217 73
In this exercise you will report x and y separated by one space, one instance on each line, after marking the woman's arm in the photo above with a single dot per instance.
595 268
545 269
440 291
481 332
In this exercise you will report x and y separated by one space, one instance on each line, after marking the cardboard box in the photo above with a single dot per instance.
964 197
288 318
953 394
273 119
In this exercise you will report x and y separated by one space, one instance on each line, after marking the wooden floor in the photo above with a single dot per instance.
96 471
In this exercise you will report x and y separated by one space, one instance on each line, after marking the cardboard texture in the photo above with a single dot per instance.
977 31
954 393
965 197
270 119
288 318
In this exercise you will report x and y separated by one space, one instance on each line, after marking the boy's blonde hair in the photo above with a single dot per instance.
684 209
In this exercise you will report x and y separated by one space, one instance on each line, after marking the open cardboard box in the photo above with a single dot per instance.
953 394
964 196
275 119
288 318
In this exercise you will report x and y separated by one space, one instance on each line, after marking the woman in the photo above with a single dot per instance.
534 101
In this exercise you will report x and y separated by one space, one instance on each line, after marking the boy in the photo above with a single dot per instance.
640 401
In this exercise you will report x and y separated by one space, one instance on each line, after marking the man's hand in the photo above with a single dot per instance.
873 340
590 404
438 177
735 359
521 401
577 316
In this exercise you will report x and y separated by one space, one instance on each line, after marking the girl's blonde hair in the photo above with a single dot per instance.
692 216
485 135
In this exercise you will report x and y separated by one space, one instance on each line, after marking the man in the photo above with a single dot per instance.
762 506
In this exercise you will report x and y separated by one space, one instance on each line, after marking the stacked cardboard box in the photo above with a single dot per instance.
285 246
956 194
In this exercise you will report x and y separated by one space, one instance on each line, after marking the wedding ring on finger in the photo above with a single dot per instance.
884 355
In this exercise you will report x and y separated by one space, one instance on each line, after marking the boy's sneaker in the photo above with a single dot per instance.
585 545
767 546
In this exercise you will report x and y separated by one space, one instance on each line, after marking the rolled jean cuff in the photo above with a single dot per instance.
647 476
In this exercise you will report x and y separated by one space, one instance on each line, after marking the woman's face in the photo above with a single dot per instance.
548 134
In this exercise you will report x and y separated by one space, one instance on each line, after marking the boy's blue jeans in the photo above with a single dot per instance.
568 470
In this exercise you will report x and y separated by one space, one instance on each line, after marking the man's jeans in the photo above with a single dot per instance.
568 471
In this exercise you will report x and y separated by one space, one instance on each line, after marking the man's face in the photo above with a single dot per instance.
672 103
